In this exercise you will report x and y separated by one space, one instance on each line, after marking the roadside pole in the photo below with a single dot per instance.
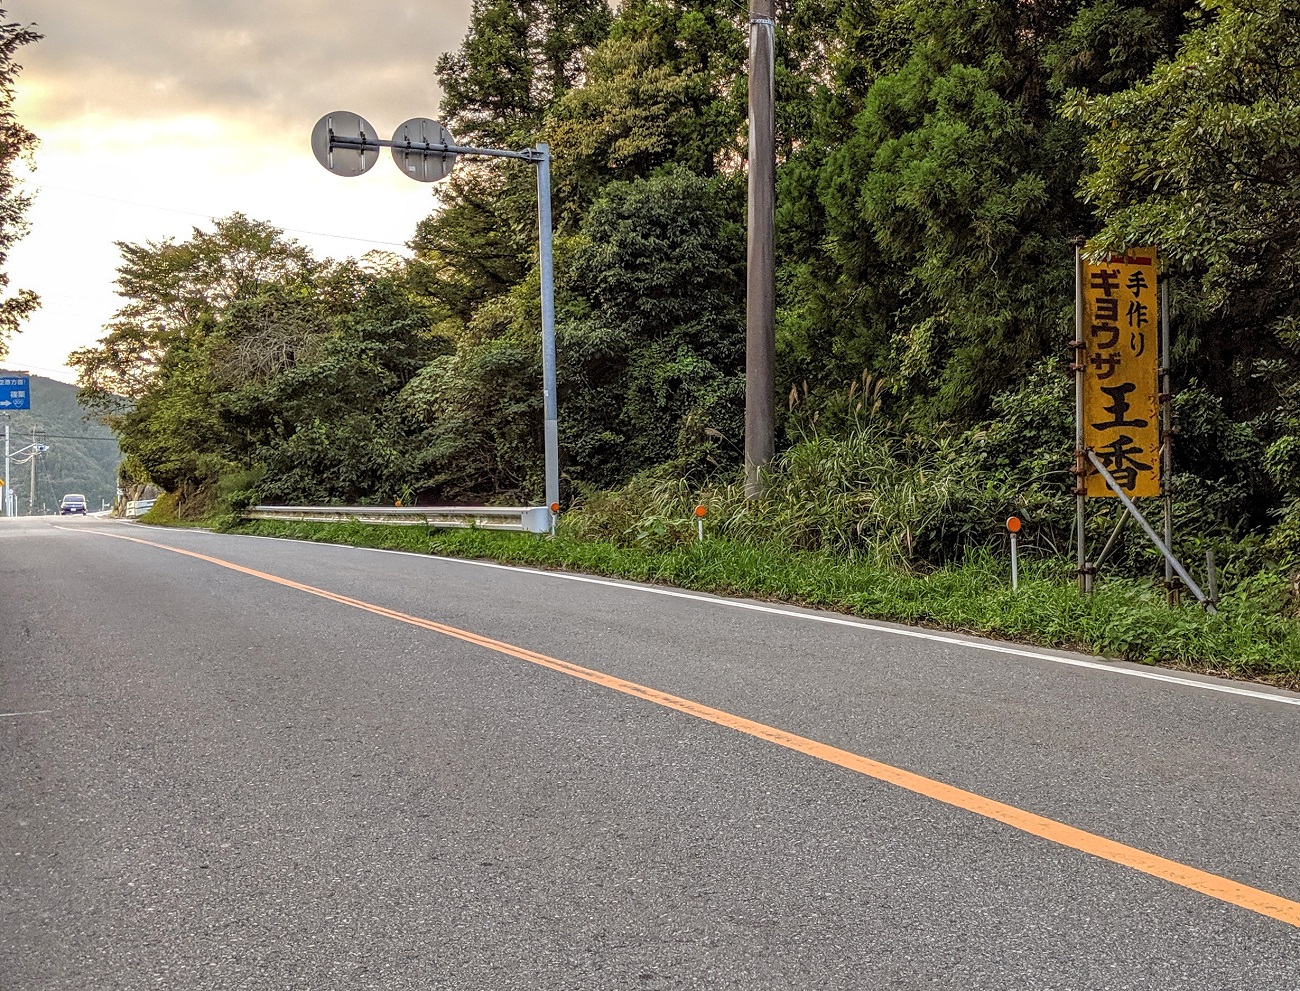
551 426
1013 528
1163 548
760 295
1167 436
15 394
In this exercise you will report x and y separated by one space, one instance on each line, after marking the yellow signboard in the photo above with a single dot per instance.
1121 371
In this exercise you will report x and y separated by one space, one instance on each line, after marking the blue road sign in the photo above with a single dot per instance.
15 392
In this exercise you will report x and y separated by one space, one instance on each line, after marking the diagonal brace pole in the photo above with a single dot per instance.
1160 545
1114 536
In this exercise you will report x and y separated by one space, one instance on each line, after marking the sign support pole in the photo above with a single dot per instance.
1167 435
1080 466
6 491
1110 544
1150 532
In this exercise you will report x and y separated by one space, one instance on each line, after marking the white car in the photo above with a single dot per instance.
72 503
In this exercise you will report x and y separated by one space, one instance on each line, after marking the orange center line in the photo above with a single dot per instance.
1221 888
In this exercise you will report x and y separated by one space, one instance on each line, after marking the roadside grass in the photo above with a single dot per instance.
1122 619
163 513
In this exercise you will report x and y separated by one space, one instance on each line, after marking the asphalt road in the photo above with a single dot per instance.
209 779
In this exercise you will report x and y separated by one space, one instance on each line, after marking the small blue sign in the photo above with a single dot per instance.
15 392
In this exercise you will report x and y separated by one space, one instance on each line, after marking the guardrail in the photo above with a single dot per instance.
529 519
138 508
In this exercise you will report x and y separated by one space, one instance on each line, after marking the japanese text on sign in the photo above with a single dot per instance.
1121 374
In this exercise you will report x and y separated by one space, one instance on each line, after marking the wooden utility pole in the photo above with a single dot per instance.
760 302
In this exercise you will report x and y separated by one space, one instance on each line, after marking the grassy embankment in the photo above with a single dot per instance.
1123 619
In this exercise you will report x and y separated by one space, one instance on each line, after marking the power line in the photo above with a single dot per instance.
208 216
27 366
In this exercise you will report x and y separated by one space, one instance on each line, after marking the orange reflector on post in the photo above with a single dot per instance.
555 507
1013 524
700 511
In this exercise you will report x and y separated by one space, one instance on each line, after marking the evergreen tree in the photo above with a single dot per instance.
667 86
518 57
944 217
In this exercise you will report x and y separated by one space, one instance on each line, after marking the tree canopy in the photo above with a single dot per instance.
16 143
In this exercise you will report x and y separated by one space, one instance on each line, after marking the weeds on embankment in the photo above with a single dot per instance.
1122 619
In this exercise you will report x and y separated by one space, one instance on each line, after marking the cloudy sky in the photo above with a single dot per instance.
156 115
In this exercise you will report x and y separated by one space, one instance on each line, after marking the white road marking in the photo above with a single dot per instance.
813 617
34 712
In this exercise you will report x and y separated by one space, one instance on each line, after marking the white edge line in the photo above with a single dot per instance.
857 624
34 712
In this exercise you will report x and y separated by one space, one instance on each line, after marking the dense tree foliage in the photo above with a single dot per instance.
937 160
16 143
933 233
518 58
653 345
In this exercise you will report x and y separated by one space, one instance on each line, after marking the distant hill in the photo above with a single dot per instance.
83 455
